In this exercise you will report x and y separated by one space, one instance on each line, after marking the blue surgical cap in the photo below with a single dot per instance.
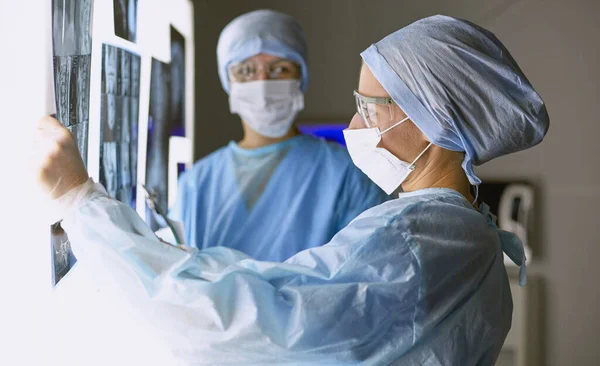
461 88
261 31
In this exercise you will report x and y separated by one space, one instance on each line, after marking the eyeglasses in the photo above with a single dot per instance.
276 70
376 111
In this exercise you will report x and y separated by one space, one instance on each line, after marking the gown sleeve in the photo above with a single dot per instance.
331 304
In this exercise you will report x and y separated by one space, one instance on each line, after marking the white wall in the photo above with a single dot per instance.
25 95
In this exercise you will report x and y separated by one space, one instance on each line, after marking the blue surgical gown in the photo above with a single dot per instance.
418 280
272 202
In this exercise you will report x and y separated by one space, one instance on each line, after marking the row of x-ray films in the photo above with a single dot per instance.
119 107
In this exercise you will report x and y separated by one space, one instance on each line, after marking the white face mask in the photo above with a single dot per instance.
268 106
380 165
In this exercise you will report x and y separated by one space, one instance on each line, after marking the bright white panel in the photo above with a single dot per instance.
153 28
26 94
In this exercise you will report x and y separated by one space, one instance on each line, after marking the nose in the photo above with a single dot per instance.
262 74
356 122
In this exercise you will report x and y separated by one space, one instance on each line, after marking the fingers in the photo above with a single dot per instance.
56 161
48 123
49 128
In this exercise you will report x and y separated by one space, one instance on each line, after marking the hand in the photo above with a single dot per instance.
57 163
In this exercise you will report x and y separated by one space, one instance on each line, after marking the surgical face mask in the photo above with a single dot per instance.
380 165
268 106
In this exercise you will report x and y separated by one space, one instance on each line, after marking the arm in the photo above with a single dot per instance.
359 298
321 305
342 302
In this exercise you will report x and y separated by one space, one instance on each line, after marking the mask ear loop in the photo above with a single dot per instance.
395 124
412 165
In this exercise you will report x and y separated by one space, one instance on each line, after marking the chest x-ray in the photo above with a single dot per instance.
71 48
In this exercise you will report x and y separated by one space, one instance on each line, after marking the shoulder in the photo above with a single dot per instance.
432 218
331 157
321 146
447 215
357 191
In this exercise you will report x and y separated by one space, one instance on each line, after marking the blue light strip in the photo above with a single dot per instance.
330 132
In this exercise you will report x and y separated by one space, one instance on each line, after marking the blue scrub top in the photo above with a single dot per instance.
274 201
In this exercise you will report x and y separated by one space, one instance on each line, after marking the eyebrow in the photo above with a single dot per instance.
283 60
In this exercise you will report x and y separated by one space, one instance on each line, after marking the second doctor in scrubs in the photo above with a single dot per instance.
275 192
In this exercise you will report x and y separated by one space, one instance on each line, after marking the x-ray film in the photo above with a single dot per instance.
166 118
119 114
62 256
125 12
71 48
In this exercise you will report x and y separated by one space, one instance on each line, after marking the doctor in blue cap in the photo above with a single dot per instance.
418 280
275 192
